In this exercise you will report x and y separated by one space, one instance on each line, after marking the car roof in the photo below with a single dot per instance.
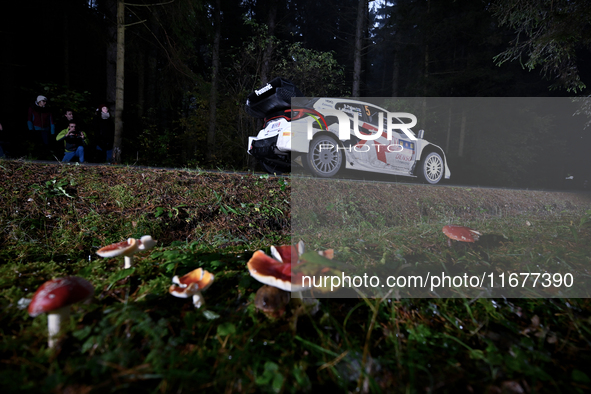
333 101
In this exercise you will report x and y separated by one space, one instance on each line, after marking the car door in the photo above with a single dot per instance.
386 155
400 151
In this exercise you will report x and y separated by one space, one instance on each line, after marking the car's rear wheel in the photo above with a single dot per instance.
324 159
431 168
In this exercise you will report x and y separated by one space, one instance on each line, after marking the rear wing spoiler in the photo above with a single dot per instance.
273 97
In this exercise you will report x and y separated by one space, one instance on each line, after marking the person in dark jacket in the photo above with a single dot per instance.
74 142
41 124
104 129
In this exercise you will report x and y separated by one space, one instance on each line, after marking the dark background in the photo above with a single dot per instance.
410 49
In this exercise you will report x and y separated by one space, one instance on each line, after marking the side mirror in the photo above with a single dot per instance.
421 134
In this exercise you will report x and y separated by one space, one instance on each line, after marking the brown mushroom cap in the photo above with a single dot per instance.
124 248
277 271
190 284
284 253
58 293
328 253
461 233
269 271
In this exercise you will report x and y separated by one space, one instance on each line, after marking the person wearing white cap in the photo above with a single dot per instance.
40 123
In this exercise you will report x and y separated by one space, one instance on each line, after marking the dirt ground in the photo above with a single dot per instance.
183 204
402 203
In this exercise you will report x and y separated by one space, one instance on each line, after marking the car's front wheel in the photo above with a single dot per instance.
431 168
324 159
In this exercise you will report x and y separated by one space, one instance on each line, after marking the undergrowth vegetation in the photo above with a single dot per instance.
133 336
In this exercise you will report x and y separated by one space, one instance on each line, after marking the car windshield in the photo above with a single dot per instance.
310 103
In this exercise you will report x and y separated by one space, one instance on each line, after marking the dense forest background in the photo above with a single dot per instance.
189 65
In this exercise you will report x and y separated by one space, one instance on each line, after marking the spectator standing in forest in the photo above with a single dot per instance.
41 125
74 142
104 129
63 123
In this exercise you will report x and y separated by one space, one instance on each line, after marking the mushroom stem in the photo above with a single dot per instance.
128 261
54 324
198 300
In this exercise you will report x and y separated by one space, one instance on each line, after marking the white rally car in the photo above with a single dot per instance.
318 140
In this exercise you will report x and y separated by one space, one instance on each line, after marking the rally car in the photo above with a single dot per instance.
318 140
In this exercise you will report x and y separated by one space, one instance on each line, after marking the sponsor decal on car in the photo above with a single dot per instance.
350 109
264 89
407 145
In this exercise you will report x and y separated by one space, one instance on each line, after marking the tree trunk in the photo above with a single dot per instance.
361 13
271 23
426 58
152 74
395 73
141 85
215 65
111 52
426 74
66 44
120 79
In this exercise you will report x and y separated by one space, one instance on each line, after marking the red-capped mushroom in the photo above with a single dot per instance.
191 285
460 233
125 248
272 272
54 297
277 272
